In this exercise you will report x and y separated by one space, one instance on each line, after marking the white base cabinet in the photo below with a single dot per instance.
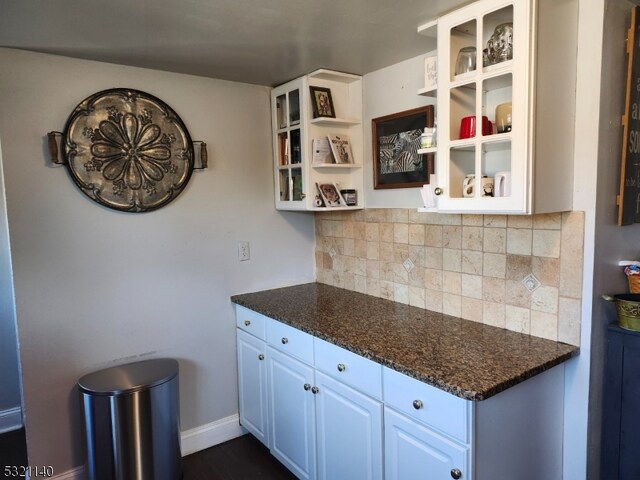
330 414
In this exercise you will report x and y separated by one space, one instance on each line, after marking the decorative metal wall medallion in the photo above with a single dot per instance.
128 150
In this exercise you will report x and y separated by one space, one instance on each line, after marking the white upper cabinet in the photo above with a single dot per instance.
296 124
505 107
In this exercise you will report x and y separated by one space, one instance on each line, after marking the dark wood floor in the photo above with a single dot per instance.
13 449
243 458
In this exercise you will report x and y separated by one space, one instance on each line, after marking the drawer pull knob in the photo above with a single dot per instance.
261 357
456 474
438 191
315 390
417 404
247 323
341 367
307 386
284 340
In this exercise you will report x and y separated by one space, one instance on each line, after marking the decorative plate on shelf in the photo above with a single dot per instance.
128 150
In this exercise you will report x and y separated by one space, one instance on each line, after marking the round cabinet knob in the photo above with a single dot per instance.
261 357
417 404
438 191
307 386
284 340
455 473
341 367
247 323
315 390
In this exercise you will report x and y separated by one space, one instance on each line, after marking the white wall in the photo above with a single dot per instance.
391 90
9 367
94 286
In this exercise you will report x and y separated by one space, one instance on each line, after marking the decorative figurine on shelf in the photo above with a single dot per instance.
500 45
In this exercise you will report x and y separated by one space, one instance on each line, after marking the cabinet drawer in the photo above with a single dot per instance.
349 368
290 340
251 322
427 404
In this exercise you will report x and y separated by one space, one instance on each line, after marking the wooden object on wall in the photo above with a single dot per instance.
629 197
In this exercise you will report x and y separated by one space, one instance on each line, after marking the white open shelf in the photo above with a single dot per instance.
334 121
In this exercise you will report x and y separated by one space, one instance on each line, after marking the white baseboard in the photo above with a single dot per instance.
211 434
193 441
10 419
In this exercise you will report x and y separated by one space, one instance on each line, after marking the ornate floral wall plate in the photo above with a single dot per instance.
128 150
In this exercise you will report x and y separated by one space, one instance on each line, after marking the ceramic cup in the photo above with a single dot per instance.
468 126
468 186
502 184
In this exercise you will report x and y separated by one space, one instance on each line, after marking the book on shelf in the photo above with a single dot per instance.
321 151
330 195
341 148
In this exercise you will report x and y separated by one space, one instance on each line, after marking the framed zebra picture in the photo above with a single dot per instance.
396 140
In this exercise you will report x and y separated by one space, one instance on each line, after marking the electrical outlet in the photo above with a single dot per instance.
244 253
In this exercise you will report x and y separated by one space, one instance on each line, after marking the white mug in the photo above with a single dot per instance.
502 184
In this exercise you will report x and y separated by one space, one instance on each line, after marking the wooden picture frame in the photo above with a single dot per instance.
396 140
321 102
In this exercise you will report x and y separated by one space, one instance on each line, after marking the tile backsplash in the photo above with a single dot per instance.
522 273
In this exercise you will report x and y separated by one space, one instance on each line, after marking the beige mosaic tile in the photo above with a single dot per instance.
377 215
360 266
359 230
471 309
451 304
400 233
400 252
547 221
472 220
545 299
516 294
417 217
400 274
400 215
472 238
451 260
546 243
433 235
519 241
520 221
373 287
493 314
417 255
373 251
517 319
493 289
451 236
372 232
327 261
360 249
349 247
373 269
357 215
433 257
471 286
495 221
348 229
495 240
569 319
518 267
494 265
445 219
386 232
360 284
572 257
544 325
387 271
387 251
433 279
472 262
416 277
417 297
401 294
416 234
387 289
451 282
318 255
433 300
546 270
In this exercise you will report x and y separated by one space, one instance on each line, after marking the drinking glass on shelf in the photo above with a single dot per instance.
466 61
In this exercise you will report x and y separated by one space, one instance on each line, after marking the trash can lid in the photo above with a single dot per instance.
129 378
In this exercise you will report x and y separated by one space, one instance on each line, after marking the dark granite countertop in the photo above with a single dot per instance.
468 359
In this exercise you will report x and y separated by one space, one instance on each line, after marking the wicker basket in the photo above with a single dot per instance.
634 283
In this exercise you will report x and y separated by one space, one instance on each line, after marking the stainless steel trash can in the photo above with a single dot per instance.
132 421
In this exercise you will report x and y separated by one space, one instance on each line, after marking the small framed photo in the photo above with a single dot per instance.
330 195
321 102
396 140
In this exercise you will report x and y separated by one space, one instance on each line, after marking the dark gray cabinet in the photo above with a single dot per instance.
621 416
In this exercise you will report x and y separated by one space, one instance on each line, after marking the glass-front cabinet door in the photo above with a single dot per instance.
484 108
290 179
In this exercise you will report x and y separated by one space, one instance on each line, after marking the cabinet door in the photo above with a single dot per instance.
349 432
252 385
292 413
412 451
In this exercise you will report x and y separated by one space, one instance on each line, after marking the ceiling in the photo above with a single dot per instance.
264 42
